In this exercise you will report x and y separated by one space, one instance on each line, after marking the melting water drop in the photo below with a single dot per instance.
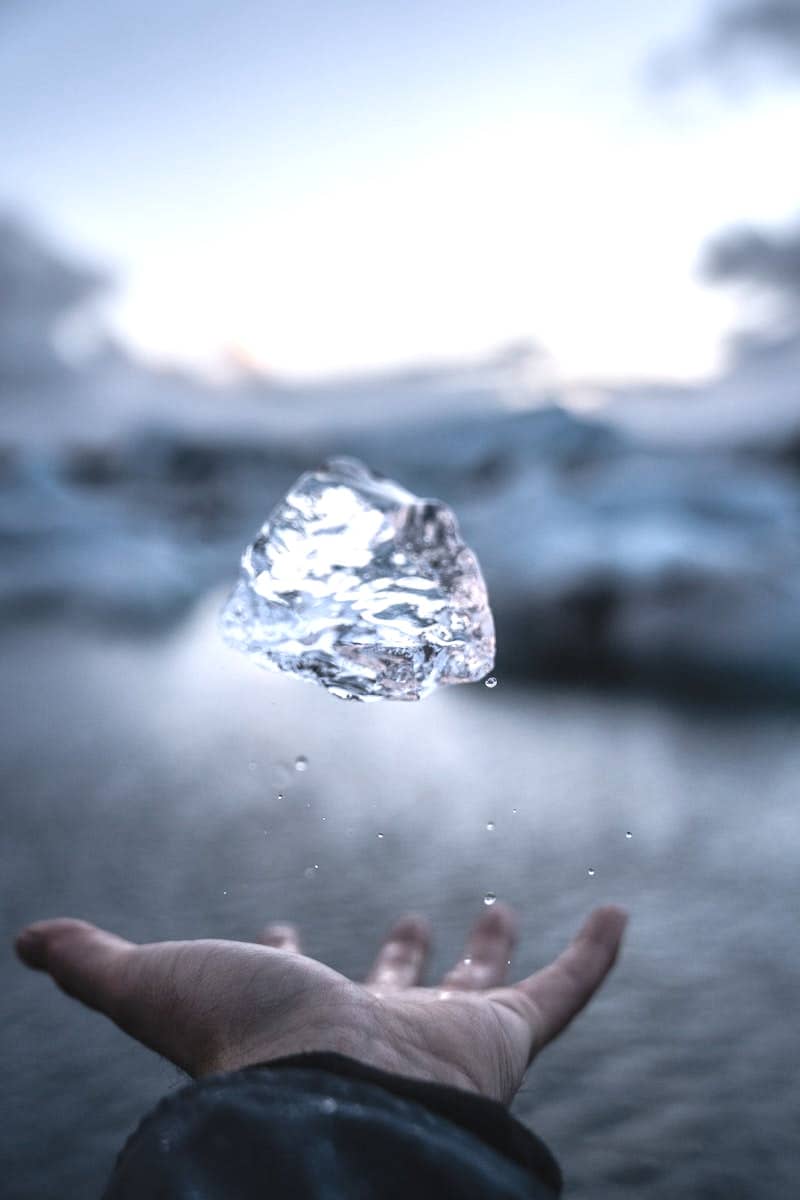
280 796
490 826
380 835
590 871
301 763
491 682
489 898
629 834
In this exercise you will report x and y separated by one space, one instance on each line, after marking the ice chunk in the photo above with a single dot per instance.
358 584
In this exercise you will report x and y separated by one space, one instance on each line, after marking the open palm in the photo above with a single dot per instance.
215 1005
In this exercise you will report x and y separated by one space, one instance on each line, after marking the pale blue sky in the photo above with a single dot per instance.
344 186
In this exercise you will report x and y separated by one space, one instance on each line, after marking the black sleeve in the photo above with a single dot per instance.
324 1127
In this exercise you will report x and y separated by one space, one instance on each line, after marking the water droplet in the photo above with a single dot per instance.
309 871
489 898
514 811
329 1105
490 826
380 835
508 962
629 834
467 962
301 763
590 871
224 892
491 682
279 796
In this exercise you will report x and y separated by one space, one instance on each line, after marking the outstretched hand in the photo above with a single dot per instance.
218 1005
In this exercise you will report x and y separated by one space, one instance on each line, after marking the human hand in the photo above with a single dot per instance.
216 1005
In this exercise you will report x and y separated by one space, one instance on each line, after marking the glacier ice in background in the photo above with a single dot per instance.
357 584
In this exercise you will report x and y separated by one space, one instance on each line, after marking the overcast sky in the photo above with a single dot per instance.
331 186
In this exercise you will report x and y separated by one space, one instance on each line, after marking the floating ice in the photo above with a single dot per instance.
363 587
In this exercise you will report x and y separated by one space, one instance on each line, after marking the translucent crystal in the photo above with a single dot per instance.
358 584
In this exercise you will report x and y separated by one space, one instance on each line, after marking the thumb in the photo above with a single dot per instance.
86 962
559 991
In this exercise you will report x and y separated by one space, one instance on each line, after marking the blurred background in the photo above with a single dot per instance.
542 262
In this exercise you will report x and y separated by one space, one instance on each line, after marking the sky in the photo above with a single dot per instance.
323 188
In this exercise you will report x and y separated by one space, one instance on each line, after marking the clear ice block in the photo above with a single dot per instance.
359 585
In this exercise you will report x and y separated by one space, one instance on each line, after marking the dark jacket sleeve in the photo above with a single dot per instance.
324 1127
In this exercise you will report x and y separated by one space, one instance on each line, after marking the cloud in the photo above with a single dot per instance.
768 26
766 263
769 261
39 289
736 35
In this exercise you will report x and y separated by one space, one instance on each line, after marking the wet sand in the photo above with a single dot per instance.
140 791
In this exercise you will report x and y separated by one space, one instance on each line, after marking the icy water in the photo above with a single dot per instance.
153 786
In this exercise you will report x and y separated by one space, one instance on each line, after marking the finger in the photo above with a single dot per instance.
560 990
162 994
401 959
280 937
86 962
488 949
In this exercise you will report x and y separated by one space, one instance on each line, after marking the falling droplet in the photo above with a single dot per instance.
301 763
629 834
491 682
514 811
309 871
380 835
467 962
489 898
224 892
590 871
490 826
508 962
279 796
